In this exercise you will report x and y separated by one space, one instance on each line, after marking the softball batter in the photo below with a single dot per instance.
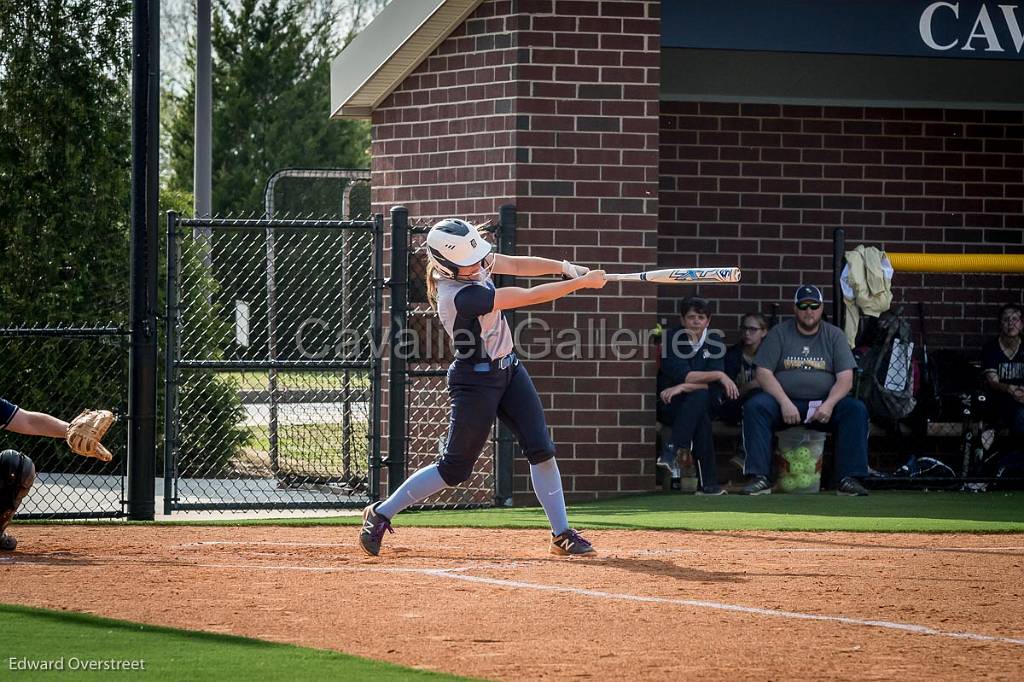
486 378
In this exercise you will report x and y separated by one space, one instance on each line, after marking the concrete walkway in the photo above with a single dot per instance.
85 494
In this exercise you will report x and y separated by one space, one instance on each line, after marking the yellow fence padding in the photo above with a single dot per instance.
956 262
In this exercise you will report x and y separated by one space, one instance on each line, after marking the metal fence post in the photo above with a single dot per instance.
399 285
505 451
272 423
144 245
170 362
838 258
375 373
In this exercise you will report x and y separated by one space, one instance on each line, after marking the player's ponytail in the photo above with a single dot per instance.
431 282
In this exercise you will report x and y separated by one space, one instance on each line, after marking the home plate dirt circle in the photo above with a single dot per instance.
653 605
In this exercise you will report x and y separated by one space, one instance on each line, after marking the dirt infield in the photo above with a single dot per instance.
653 605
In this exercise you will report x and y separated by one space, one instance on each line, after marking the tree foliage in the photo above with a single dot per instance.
65 171
65 148
271 101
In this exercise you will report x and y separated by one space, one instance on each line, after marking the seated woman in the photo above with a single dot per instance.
1003 361
739 366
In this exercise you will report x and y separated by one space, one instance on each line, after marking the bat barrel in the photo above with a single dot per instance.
681 276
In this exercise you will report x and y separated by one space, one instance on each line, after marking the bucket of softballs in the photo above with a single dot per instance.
798 460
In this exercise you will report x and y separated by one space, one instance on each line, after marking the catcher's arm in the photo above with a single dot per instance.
37 424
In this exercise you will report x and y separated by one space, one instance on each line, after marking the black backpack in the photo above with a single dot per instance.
886 383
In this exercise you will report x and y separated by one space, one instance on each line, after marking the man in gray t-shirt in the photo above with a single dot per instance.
806 366
806 369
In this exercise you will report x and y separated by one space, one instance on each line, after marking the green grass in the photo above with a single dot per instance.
255 381
882 512
887 512
309 450
315 448
170 654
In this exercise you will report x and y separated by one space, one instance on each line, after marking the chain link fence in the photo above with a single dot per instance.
422 401
274 331
62 371
427 388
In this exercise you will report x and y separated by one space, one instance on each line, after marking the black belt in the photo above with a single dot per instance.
510 360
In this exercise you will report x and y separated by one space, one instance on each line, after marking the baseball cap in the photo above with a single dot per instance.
808 292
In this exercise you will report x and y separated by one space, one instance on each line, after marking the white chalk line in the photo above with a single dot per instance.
775 613
458 573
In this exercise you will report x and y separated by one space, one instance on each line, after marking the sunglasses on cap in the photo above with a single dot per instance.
808 305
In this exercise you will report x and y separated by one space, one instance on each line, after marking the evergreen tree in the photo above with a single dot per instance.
65 148
271 101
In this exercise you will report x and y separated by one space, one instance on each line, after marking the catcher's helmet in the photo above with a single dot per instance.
454 243
17 474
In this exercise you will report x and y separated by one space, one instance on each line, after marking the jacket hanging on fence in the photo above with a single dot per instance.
866 281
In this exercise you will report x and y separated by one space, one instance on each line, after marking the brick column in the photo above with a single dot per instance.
553 106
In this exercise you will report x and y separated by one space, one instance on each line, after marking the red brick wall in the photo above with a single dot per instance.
552 106
764 186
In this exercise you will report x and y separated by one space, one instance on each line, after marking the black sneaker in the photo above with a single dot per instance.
570 543
8 543
372 532
851 487
759 485
667 460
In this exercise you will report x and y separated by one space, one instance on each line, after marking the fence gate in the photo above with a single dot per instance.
273 363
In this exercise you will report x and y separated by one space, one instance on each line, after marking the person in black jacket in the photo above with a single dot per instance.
739 366
1003 361
691 377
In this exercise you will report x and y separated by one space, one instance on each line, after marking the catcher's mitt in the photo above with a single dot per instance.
85 432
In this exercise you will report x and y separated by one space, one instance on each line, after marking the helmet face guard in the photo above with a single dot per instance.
453 244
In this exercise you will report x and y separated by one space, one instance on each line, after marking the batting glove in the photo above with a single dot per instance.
570 271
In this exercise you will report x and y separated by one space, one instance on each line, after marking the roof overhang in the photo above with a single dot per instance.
389 49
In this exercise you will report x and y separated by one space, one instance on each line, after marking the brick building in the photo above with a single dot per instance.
636 134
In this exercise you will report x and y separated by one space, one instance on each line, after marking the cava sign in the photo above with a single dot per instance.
982 33
963 29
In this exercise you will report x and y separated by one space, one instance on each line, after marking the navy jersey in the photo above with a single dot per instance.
7 412
1008 370
478 332
680 357
737 367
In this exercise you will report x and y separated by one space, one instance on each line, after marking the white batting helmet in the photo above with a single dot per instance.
454 243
